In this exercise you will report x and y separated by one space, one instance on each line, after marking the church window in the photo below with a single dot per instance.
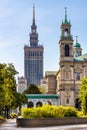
66 50
66 32
77 76
67 101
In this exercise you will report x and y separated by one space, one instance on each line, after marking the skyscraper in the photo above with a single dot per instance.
33 57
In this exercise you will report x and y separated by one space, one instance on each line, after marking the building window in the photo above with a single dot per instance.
39 104
67 101
30 104
77 76
66 33
66 50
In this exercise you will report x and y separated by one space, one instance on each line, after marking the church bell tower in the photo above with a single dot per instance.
66 40
65 77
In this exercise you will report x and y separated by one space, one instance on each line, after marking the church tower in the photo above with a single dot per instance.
66 40
65 76
77 48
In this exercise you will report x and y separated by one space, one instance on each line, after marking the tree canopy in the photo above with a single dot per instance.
32 89
83 96
9 98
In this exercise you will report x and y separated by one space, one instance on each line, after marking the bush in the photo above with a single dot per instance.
2 119
70 112
13 115
48 111
80 114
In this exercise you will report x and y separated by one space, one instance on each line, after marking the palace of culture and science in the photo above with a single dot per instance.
33 57
63 84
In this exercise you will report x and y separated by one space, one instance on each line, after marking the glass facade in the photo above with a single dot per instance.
33 65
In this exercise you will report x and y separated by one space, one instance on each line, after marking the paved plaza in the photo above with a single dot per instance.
11 125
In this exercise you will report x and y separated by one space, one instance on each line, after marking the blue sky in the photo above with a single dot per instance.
15 26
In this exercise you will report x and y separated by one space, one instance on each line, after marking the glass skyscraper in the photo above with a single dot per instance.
33 57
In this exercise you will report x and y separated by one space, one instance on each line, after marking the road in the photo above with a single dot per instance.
10 124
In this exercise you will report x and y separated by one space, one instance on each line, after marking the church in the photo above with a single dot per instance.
62 86
72 68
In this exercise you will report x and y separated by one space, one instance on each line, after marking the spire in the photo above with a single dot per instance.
76 39
33 14
77 44
66 14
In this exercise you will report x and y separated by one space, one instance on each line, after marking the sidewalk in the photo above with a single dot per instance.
10 124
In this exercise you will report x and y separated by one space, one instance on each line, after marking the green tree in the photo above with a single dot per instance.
9 98
20 99
83 96
42 91
8 86
32 89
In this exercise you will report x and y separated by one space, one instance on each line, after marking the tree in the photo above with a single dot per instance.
7 86
83 96
20 99
9 98
41 89
32 89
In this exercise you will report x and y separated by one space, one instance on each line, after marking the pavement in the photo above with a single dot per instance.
10 124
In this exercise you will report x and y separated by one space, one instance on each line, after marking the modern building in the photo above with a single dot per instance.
33 57
72 68
22 84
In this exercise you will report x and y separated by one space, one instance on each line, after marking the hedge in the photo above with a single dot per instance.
48 111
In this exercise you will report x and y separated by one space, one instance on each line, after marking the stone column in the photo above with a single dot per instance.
62 74
71 72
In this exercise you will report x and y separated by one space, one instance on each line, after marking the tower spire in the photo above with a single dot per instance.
76 39
65 13
33 14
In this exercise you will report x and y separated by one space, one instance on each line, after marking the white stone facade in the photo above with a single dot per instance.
41 99
22 84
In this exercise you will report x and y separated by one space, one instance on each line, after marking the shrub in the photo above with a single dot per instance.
48 111
70 112
2 119
13 115
80 114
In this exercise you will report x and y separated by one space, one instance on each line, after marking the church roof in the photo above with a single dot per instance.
77 45
81 58
42 96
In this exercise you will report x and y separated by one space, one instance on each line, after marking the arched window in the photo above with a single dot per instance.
48 102
66 33
39 104
30 104
66 50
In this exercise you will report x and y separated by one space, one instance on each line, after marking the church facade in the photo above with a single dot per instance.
72 68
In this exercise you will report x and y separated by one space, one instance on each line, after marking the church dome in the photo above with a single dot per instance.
77 45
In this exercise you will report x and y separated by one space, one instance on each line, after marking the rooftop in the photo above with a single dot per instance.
81 58
42 96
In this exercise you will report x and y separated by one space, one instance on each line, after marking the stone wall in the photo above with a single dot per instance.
45 122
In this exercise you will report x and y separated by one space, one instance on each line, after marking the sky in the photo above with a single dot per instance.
15 27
